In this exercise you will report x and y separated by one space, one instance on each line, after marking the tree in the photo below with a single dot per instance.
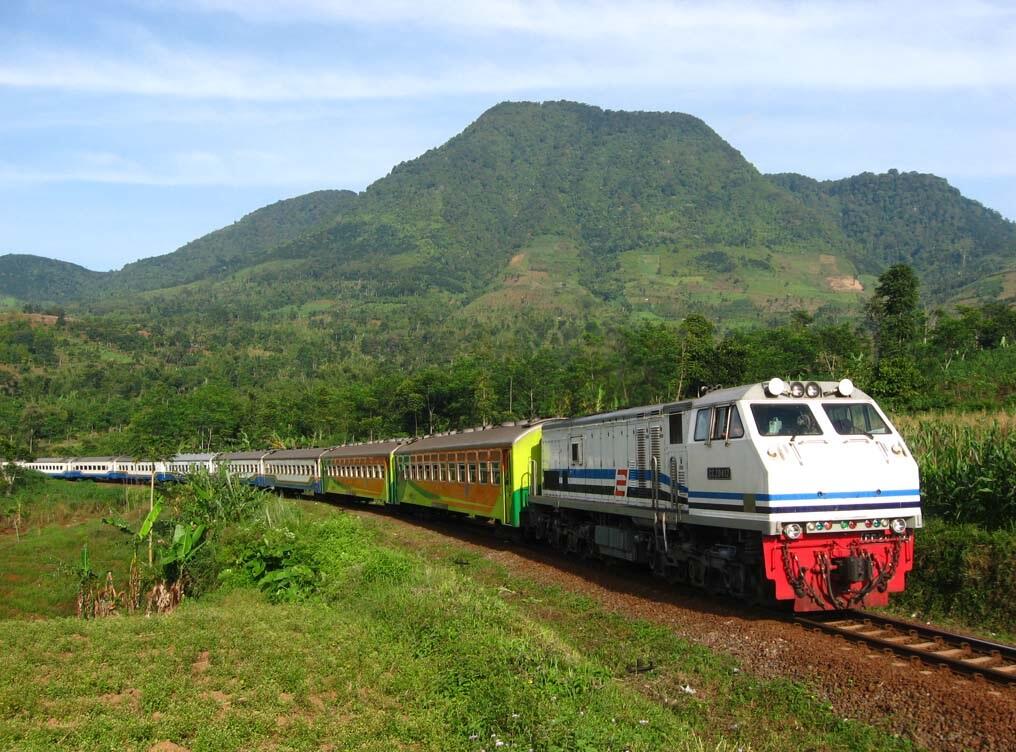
10 472
895 313
896 318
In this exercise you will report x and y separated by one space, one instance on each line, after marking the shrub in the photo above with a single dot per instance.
965 573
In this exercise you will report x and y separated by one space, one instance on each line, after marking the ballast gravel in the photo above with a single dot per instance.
936 709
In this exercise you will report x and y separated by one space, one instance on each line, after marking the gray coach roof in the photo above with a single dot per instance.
310 453
371 449
230 456
475 439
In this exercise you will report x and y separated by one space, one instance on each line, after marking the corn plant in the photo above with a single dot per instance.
968 467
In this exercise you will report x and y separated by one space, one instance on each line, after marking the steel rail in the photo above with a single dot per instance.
965 655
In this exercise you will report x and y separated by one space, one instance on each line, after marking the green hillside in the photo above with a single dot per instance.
241 244
245 242
920 220
33 278
544 215
539 220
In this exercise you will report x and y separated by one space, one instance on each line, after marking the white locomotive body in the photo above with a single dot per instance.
808 483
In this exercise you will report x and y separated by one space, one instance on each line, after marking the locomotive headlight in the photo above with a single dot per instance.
812 390
845 388
775 387
793 530
796 389
899 526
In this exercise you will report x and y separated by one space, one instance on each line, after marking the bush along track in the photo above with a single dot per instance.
308 632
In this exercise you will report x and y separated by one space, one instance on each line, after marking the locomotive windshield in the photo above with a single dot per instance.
855 418
785 420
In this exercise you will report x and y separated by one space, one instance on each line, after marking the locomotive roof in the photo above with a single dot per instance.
308 453
475 439
50 460
627 414
191 457
729 394
371 449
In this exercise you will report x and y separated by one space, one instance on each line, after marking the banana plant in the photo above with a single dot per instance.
187 539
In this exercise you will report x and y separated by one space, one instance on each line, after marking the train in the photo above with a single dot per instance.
801 493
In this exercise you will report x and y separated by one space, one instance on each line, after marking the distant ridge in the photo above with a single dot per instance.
565 212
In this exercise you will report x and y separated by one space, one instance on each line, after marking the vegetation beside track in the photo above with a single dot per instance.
320 632
965 556
965 575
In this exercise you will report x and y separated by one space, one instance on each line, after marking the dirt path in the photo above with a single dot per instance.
936 709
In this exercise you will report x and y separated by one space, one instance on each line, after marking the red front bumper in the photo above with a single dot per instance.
830 571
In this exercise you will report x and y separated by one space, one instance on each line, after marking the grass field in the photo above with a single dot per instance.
389 649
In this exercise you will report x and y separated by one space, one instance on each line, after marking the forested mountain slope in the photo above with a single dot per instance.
540 219
916 219
243 243
34 278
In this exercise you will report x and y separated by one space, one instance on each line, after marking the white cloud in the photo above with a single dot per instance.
823 45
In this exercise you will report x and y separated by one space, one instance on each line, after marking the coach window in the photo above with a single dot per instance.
484 473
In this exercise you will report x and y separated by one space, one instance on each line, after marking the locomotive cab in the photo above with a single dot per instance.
822 474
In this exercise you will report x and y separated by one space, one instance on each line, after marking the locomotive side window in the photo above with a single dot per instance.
720 422
785 420
576 451
736 427
702 424
727 423
856 418
676 433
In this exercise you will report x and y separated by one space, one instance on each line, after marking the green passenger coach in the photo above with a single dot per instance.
486 472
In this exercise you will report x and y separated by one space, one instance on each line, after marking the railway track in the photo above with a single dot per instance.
959 653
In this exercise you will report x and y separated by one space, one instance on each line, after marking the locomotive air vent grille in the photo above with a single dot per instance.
640 455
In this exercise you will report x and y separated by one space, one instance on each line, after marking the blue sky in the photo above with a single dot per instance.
130 127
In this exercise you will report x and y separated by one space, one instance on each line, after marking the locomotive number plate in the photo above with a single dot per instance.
718 473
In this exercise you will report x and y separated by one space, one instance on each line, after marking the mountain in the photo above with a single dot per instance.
540 220
33 278
217 254
917 219
241 244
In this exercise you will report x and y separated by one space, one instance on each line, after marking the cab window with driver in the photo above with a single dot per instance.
785 420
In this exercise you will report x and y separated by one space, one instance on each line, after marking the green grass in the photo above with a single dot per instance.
385 648
34 581
45 501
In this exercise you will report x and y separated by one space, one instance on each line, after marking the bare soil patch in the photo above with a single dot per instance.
844 284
